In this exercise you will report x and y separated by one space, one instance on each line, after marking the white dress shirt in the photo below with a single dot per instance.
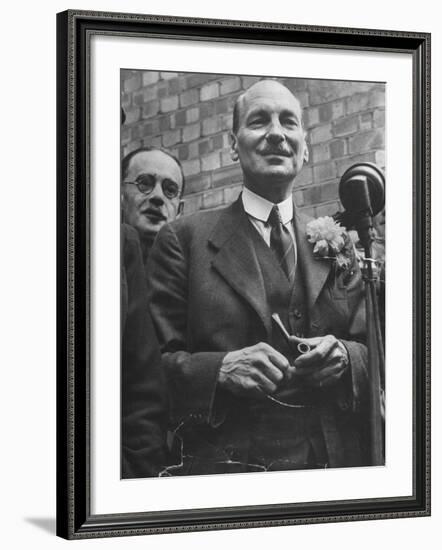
258 210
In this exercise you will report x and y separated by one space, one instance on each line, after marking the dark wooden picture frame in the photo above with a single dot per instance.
74 518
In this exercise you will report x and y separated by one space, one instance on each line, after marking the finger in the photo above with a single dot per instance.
317 355
291 372
263 383
333 358
279 360
273 373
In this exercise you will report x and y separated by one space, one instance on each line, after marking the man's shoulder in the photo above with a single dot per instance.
200 224
187 233
302 218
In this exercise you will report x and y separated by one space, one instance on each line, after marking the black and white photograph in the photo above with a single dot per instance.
243 255
218 286
253 268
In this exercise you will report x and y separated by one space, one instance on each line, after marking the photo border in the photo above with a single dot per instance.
74 31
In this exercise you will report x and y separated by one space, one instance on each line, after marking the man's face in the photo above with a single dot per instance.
147 213
270 140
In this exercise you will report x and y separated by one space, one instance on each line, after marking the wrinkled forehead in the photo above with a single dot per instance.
268 95
156 163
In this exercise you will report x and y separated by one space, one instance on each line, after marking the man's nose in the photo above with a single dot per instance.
275 133
156 197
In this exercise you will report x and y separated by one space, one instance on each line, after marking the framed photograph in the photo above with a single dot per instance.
243 274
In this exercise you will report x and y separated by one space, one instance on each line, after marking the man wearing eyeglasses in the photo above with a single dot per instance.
152 187
242 397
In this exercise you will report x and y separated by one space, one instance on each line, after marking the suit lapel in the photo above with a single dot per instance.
236 259
315 271
237 263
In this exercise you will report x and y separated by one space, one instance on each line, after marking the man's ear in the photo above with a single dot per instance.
180 208
306 151
306 154
233 147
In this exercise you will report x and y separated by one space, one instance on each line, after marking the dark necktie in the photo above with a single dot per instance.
281 243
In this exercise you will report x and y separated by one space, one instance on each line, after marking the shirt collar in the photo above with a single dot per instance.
260 208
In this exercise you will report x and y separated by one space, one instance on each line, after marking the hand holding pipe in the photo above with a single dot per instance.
301 346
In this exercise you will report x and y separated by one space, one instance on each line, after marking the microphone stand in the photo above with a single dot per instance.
363 223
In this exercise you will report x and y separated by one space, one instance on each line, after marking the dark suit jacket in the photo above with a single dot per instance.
207 298
143 391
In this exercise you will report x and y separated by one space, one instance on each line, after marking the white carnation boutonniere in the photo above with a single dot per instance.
330 240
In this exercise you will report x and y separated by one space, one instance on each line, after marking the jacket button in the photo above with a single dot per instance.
297 314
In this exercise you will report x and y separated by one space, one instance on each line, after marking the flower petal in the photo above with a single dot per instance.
321 248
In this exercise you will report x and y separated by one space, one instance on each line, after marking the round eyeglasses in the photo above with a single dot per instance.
146 184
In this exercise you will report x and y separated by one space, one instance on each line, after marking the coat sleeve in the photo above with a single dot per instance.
358 381
355 340
144 397
191 376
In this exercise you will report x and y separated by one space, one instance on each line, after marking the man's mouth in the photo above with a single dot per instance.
154 215
276 153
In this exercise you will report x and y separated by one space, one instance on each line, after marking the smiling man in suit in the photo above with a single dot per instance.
243 398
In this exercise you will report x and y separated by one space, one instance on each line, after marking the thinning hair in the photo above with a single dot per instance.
240 99
125 163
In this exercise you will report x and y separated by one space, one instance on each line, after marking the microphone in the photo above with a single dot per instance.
362 194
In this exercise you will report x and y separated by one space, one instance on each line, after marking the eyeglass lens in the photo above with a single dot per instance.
147 182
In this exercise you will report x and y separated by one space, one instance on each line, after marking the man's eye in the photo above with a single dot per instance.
290 122
170 188
145 181
256 122
144 187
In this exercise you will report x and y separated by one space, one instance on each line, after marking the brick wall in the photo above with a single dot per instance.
191 114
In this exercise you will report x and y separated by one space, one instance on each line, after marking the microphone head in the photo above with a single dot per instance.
362 187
